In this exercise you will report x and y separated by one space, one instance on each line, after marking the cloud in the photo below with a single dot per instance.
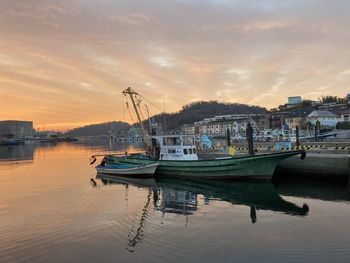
73 58
164 62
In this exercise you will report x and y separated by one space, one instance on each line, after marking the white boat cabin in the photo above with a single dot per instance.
177 147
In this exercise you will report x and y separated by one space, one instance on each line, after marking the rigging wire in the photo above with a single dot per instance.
160 110
151 103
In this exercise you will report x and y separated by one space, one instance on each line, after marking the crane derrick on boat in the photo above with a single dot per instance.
136 100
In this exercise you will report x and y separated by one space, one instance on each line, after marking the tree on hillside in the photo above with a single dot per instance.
328 99
306 103
197 111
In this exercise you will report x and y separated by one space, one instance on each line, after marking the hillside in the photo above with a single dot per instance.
197 111
115 127
189 113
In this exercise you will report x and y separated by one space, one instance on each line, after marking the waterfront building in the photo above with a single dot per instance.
326 118
13 129
235 123
297 118
278 119
188 129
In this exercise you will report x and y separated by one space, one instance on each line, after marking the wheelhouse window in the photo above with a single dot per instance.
188 140
190 151
170 141
185 151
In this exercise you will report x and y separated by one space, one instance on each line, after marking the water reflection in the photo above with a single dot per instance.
26 153
16 153
181 196
320 190
135 235
171 196
52 205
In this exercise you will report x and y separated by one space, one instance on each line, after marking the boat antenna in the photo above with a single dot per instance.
133 96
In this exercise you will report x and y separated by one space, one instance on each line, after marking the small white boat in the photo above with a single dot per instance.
126 169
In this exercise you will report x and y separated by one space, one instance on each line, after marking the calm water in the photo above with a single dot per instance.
49 212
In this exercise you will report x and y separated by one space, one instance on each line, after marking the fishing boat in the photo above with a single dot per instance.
177 156
127 169
180 159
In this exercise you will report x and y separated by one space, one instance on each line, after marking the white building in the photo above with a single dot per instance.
188 129
344 117
326 118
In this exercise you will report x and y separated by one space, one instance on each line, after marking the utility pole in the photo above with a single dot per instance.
249 135
297 142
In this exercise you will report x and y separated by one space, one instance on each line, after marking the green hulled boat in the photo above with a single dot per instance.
260 167
177 156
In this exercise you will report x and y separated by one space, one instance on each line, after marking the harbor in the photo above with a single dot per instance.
174 131
48 202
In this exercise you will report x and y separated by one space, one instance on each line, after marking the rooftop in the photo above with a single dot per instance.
321 113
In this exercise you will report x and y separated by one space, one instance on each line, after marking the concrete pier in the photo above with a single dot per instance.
326 165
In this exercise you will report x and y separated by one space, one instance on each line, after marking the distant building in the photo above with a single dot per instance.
236 124
188 129
297 118
326 118
344 117
45 134
295 100
278 119
332 106
12 129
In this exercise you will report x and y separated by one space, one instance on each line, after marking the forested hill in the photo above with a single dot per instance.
189 114
197 111
115 127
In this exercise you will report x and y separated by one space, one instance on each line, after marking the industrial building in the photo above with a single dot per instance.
12 129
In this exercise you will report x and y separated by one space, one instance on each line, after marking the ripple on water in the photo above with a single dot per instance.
53 214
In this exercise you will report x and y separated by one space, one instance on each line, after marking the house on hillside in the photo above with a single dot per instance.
188 129
297 118
326 118
278 119
344 117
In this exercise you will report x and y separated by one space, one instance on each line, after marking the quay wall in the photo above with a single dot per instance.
321 165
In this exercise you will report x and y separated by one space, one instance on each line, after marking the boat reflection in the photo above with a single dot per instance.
177 202
320 190
181 196
258 196
171 196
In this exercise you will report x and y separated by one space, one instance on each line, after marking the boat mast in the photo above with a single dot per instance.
131 93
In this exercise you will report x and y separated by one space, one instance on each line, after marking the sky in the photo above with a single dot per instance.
64 63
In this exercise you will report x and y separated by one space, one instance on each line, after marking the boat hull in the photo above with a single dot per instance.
259 167
144 171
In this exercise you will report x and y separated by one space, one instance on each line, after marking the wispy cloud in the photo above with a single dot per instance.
73 58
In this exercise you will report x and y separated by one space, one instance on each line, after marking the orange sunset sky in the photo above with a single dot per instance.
64 63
